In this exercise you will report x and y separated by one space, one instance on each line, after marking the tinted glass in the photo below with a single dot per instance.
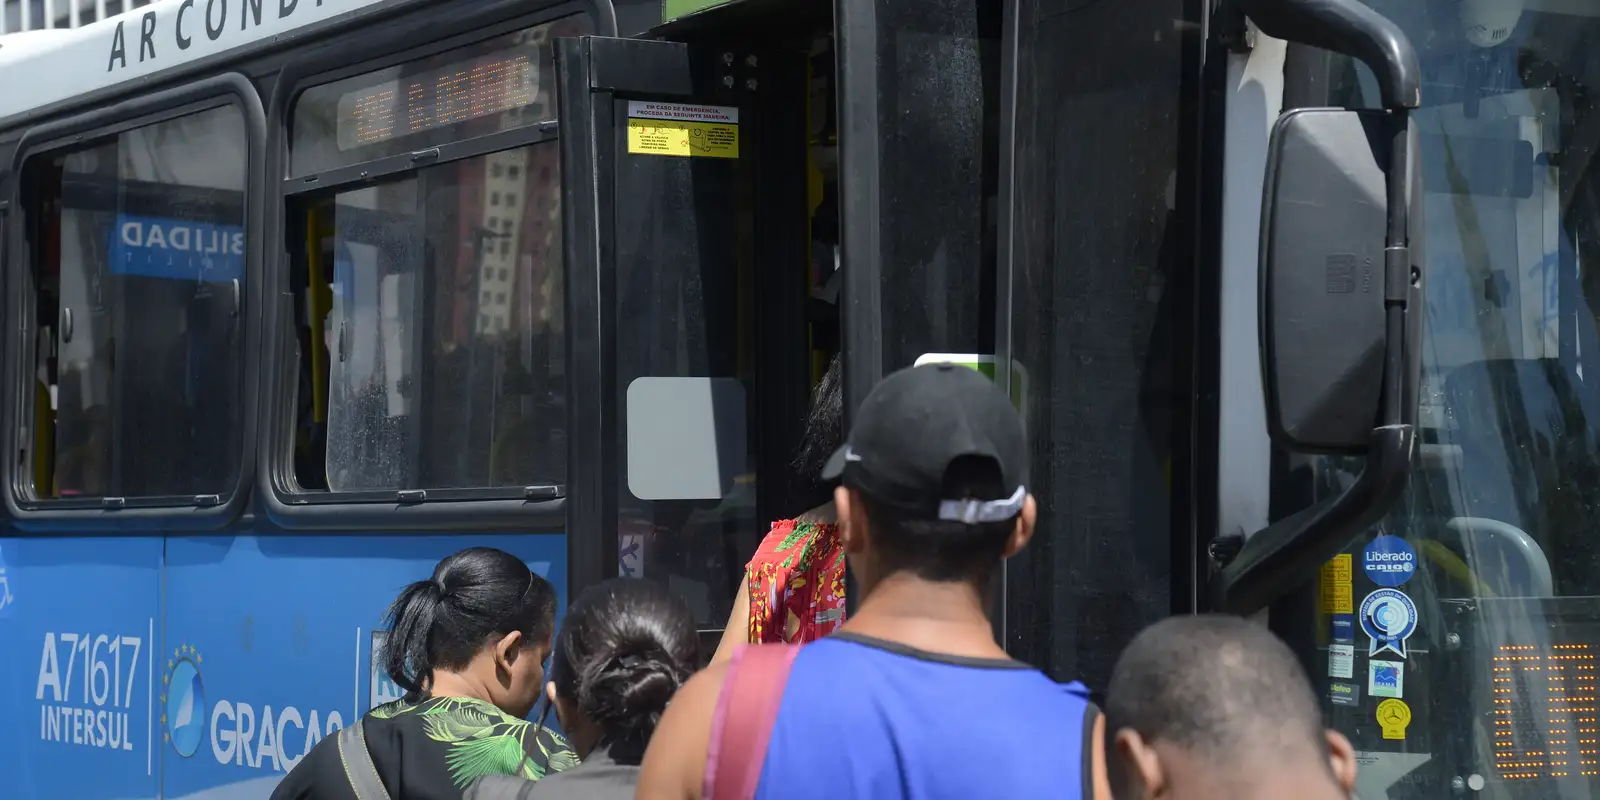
445 329
637 16
1100 325
684 361
938 148
139 262
1457 639
487 87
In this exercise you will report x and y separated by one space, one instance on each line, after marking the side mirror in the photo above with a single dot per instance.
1341 296
1325 286
1341 304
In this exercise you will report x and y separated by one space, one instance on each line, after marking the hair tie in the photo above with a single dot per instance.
629 662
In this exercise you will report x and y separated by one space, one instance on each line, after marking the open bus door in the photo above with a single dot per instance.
684 224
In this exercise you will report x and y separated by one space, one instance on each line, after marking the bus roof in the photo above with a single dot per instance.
63 64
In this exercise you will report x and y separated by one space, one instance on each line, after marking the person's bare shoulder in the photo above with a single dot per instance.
738 629
675 764
1099 780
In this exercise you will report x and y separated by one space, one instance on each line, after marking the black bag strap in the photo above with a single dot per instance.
358 766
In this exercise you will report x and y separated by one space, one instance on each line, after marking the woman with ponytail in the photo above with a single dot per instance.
625 648
467 646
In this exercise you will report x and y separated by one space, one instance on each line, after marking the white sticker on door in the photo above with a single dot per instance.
1341 661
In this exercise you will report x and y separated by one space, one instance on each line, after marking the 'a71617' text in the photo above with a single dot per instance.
86 688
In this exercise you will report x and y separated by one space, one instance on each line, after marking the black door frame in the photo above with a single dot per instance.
592 73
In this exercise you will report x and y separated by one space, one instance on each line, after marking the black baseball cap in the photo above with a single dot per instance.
914 424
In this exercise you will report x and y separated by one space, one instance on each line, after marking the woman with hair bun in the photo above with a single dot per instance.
624 649
468 647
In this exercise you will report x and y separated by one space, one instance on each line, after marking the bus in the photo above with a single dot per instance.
1282 289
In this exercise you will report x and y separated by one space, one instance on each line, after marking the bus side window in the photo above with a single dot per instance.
428 307
431 338
137 250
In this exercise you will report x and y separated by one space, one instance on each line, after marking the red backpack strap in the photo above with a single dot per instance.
753 689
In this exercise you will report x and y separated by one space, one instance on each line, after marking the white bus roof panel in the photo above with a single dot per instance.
37 71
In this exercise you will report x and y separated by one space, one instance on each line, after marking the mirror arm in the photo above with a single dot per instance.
1349 27
1288 552
1401 281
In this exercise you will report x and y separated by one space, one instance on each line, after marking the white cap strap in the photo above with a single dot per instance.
974 511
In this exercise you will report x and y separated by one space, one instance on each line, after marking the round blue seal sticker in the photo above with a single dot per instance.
1389 617
1389 561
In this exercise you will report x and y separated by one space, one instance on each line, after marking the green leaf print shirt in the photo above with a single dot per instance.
432 750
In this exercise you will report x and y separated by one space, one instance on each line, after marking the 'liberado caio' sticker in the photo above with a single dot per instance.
1389 561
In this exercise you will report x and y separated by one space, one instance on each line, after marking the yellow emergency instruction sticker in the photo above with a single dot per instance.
1338 593
683 130
1393 717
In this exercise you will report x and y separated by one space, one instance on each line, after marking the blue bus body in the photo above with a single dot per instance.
198 666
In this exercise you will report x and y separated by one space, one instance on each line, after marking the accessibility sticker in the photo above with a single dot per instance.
1386 678
1393 717
1389 561
1389 617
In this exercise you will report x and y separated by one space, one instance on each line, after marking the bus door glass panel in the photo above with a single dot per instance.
139 259
683 372
1459 639
1099 323
672 169
937 109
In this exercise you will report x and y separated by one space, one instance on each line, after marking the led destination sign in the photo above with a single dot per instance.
501 81
1544 712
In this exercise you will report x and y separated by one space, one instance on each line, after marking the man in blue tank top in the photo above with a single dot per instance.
912 698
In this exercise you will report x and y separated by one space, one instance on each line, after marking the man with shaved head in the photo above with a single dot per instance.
1217 707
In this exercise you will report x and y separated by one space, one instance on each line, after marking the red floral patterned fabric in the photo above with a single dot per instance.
796 583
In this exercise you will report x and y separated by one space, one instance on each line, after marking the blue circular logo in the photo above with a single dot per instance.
1389 561
185 708
1389 617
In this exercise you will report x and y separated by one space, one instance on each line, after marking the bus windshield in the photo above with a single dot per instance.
1462 634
